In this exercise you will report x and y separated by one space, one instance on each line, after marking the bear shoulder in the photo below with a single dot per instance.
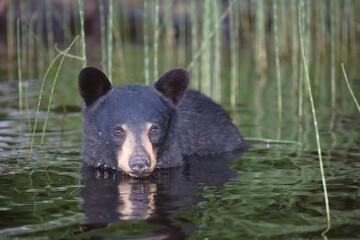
204 127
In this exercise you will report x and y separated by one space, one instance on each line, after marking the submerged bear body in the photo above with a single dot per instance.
135 129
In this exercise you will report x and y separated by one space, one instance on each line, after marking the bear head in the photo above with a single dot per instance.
130 128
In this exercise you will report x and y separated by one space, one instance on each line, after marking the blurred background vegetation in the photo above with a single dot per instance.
226 45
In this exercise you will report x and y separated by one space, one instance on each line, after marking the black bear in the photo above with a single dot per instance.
135 129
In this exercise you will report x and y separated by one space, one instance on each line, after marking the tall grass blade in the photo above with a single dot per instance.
53 88
49 29
103 36
41 92
260 40
332 52
277 58
156 39
146 43
294 45
216 83
205 57
19 68
119 44
350 89
307 76
82 31
169 33
194 43
270 141
234 47
23 39
110 39
209 36
10 39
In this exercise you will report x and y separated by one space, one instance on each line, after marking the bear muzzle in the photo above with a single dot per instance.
137 156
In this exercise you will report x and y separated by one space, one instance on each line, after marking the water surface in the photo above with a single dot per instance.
271 191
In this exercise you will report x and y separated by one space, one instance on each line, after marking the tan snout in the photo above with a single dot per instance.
137 156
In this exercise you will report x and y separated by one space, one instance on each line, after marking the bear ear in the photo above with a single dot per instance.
173 84
93 84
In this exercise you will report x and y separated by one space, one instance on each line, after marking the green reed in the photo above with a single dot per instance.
294 41
260 39
194 43
205 56
208 37
234 46
333 52
146 43
156 39
63 53
277 59
52 63
216 81
49 29
307 77
103 36
10 39
19 67
82 32
23 39
110 40
349 87
119 45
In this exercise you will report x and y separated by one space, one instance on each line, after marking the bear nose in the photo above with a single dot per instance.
139 165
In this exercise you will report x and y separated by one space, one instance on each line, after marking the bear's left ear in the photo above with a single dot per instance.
93 84
173 84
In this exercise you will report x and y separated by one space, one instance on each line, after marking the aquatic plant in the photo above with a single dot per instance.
307 77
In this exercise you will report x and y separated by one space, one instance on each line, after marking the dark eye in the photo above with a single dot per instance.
119 131
154 130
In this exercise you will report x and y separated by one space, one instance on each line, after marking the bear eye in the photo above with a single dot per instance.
119 131
154 130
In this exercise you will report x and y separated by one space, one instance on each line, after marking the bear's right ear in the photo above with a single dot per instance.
173 84
93 84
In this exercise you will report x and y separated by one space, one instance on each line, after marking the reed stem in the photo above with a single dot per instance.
10 39
110 39
350 89
146 43
260 41
205 57
156 39
216 83
194 43
49 29
307 76
269 141
119 45
103 36
82 31
234 46
209 36
53 88
277 59
41 92
332 53
18 25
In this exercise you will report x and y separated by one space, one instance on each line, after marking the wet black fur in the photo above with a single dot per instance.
189 122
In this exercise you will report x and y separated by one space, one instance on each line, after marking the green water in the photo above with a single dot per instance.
271 191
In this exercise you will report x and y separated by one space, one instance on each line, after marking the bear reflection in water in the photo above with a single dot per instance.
112 196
